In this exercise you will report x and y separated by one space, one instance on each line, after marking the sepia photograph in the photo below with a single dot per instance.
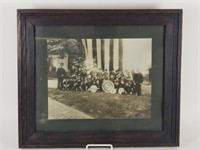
99 78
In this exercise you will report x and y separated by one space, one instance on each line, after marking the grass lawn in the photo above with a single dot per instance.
106 106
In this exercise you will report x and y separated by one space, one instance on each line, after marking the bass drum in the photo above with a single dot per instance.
108 86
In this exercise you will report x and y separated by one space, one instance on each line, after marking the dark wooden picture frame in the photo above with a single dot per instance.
29 137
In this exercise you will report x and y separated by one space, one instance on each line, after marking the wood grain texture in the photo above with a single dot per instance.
28 19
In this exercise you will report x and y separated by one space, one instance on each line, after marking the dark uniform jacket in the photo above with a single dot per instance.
60 73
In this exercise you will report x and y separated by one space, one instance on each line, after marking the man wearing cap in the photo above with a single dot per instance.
138 78
60 76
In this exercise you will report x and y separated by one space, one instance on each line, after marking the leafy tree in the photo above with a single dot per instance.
72 47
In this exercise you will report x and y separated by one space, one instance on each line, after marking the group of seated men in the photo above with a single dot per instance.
81 79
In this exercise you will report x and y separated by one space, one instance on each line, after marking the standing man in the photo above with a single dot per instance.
138 78
150 75
60 76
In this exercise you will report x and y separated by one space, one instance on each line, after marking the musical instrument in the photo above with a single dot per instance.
93 89
121 91
108 86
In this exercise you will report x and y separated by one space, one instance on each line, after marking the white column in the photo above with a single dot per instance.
90 53
85 47
98 45
107 53
116 54
121 64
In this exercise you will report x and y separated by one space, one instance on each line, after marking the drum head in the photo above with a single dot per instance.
93 89
121 91
108 86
